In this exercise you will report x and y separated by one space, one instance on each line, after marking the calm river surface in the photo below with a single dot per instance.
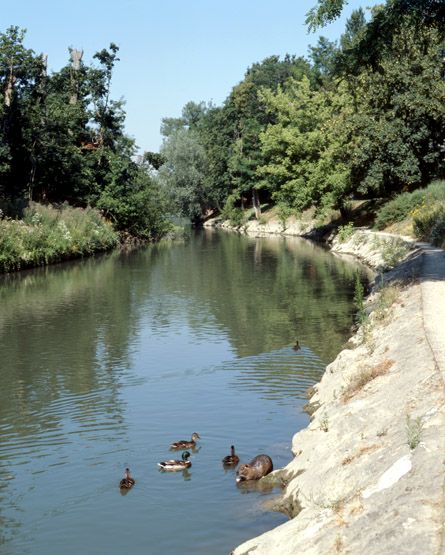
105 362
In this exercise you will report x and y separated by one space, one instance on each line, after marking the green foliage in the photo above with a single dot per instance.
183 176
62 139
48 234
399 208
428 222
423 205
137 206
359 300
345 232
284 212
393 252
231 212
414 428
364 120
304 149
325 12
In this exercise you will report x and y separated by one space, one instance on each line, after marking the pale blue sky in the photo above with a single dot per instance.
171 51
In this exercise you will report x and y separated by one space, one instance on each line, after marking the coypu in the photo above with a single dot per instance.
258 467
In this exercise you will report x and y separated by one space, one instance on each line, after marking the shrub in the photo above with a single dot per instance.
233 213
345 232
393 252
399 208
284 212
438 231
425 220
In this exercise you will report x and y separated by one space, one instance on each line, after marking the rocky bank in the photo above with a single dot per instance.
368 473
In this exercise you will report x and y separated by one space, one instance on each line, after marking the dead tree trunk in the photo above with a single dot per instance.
76 58
256 203
9 90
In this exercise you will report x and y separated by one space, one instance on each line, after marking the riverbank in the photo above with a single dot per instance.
368 472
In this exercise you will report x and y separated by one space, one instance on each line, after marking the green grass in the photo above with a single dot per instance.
48 234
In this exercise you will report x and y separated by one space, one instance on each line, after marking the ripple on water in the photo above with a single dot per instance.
279 375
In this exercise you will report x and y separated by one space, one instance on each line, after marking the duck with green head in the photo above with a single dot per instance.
173 465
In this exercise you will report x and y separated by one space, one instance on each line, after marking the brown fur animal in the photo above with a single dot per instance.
258 467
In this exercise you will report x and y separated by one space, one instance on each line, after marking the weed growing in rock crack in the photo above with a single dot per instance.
414 427
364 376
359 300
324 423
393 252
338 546
387 297
336 505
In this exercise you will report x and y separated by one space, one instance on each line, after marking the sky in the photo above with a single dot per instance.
171 51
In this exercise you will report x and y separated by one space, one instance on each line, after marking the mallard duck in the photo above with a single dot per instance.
127 481
184 444
177 465
231 459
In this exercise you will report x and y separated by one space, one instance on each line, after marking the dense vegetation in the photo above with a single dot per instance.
361 118
62 140
46 235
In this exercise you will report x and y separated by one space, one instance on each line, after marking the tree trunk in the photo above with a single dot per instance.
76 58
9 87
256 203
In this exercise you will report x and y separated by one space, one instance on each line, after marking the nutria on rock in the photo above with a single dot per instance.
258 467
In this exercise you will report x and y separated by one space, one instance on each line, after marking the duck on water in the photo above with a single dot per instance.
184 444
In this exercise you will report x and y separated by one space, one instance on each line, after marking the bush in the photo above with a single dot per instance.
345 232
428 223
233 213
399 208
438 231
425 206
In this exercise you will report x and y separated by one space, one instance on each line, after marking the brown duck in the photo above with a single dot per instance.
184 444
231 459
127 481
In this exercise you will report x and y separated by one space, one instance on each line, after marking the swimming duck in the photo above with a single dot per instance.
177 465
183 444
231 459
296 346
127 481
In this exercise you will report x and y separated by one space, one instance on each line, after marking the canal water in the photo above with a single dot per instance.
104 362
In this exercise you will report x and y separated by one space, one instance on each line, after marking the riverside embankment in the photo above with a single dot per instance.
368 472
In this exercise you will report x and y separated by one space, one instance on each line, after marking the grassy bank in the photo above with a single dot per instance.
47 234
420 214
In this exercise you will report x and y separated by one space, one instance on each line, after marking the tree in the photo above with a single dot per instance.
305 158
184 174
